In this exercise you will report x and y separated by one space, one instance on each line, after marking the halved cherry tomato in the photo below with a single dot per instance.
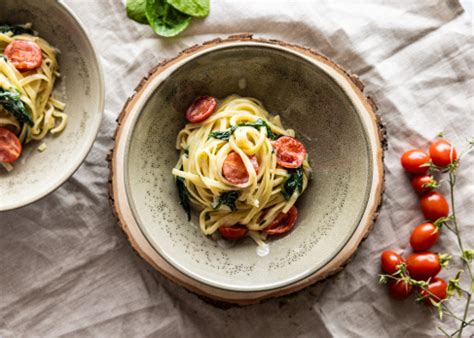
234 169
233 232
390 260
423 183
290 152
201 109
399 289
434 205
283 222
437 290
24 55
423 265
413 159
10 146
424 236
442 153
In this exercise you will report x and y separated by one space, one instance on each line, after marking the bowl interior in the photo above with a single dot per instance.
80 87
309 101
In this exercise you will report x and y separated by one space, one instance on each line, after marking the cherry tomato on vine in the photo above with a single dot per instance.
437 290
390 260
434 206
412 161
423 183
424 236
233 232
399 289
423 265
442 153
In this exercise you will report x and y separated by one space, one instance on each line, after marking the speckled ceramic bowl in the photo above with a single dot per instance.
326 107
81 87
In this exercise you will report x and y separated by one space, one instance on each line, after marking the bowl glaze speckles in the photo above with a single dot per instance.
80 86
314 96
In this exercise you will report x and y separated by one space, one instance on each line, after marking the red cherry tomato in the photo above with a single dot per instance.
423 265
434 205
399 289
234 169
283 222
423 183
233 232
290 152
390 260
24 55
10 146
424 236
442 153
413 159
437 290
201 109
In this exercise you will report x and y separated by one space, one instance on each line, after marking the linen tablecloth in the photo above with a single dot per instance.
67 269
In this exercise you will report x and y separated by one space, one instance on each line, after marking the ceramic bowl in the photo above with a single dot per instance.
314 96
81 87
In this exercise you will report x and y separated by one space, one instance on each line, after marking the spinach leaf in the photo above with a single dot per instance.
228 198
5 28
136 10
257 124
11 102
191 7
223 135
293 183
183 196
165 19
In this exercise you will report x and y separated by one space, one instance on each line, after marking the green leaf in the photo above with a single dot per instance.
136 10
223 135
191 7
16 30
257 124
293 183
164 19
183 196
228 198
11 102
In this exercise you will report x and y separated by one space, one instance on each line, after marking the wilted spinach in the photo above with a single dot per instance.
10 100
293 183
228 198
226 134
223 135
183 196
5 28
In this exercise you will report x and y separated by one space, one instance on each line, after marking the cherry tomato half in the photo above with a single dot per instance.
283 222
423 265
423 183
234 169
10 146
437 290
413 159
424 236
290 152
233 232
24 55
390 260
434 205
442 153
201 109
399 289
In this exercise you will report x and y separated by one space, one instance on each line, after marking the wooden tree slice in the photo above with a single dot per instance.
143 247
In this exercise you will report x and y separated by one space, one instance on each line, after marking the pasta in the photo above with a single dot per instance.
229 168
28 109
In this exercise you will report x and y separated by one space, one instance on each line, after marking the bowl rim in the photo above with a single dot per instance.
101 100
140 98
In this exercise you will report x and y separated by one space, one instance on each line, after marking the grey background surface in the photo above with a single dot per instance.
67 269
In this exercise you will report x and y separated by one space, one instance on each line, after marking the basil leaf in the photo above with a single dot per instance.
293 183
11 102
183 196
16 30
223 135
228 198
257 124
164 19
136 10
191 7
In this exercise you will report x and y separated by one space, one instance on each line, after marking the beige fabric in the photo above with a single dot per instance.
67 269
